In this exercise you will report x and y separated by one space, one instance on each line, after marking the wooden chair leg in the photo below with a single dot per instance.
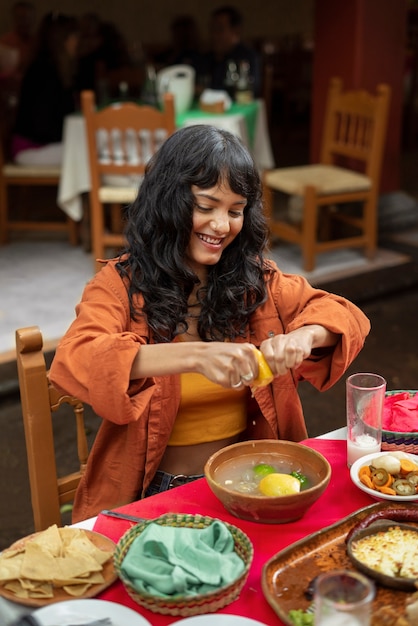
73 231
4 235
309 228
370 226
116 221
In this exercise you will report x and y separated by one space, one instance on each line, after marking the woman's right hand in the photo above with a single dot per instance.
228 364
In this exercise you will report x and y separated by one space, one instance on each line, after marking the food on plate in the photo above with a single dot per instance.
62 558
394 474
393 552
395 514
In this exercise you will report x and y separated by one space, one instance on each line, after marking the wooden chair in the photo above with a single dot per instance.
25 176
348 172
120 138
39 399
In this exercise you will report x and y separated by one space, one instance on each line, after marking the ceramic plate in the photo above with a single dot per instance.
288 575
108 572
371 531
366 460
82 611
221 619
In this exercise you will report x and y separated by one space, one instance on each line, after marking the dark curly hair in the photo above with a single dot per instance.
159 226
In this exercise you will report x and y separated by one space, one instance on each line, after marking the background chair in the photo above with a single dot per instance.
25 177
121 138
348 172
39 399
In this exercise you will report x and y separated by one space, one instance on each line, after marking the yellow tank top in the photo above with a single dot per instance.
208 412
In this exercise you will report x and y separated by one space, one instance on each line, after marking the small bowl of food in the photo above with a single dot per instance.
267 480
388 552
387 475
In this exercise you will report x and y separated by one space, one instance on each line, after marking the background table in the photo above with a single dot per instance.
248 122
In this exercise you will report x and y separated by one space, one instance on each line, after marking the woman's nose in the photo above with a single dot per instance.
220 224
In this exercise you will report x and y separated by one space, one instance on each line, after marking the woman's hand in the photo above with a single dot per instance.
229 364
285 352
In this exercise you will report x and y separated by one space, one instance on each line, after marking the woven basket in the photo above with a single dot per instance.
393 441
181 605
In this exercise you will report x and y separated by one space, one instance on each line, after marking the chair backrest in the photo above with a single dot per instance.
122 137
355 128
39 399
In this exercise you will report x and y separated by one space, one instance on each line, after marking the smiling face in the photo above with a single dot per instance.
218 216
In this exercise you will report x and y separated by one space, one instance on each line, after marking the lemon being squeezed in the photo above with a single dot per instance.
276 484
265 375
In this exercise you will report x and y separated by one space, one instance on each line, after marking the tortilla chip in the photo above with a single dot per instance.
38 563
10 567
49 540
76 590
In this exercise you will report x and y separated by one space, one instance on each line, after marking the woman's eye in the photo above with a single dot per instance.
236 213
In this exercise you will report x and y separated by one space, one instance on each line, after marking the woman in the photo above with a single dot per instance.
47 93
163 346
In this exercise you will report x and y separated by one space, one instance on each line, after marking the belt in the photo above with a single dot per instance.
163 480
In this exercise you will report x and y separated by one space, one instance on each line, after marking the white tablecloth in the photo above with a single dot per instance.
75 172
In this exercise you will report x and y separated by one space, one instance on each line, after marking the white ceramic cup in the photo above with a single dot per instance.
365 395
343 598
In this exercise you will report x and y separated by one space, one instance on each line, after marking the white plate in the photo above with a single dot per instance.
366 460
82 611
220 619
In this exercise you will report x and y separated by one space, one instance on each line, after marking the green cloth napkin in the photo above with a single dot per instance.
168 561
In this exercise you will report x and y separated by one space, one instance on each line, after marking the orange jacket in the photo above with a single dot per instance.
94 359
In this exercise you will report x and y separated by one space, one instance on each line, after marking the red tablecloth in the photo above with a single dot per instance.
340 499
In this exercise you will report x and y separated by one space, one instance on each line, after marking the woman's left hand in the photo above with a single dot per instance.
285 352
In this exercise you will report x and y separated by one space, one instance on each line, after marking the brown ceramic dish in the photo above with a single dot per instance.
373 530
269 509
289 573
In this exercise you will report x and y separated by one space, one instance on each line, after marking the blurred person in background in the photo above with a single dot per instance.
184 46
226 47
17 45
105 62
47 93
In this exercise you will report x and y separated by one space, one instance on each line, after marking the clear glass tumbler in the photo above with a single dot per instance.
365 394
343 598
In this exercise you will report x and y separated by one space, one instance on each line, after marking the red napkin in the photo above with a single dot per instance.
400 413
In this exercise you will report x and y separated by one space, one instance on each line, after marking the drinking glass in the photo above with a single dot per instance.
365 394
343 598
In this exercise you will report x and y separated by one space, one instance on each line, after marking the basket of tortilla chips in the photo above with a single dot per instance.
182 564
400 421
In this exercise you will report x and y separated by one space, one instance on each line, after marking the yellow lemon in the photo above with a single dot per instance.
265 375
279 485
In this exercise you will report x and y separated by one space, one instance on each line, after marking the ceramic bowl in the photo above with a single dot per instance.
374 532
260 508
377 495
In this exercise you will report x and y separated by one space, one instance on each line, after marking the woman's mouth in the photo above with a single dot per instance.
211 241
